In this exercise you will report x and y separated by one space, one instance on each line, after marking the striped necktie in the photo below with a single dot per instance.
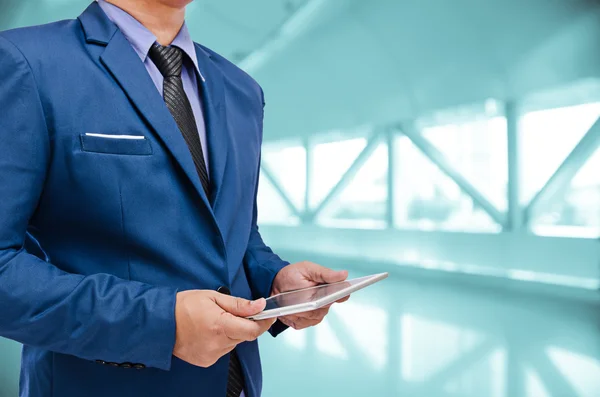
169 61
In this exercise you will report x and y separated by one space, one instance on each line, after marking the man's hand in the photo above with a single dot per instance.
304 275
210 325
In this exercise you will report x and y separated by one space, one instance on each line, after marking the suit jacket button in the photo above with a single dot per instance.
139 366
101 362
126 365
224 290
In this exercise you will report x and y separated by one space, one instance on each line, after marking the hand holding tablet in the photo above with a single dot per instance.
313 298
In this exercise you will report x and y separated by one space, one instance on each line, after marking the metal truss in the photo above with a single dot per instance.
391 178
309 215
267 173
358 163
563 175
309 173
438 158
516 217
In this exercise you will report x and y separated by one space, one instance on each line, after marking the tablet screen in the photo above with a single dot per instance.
309 294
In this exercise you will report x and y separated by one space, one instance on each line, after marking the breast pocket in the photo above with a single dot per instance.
133 145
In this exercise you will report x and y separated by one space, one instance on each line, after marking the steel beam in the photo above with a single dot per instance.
298 23
347 177
266 171
514 215
438 158
391 184
563 175
309 159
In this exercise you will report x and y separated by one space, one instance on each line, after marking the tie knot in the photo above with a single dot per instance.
168 60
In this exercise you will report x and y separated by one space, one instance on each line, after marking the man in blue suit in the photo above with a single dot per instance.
129 162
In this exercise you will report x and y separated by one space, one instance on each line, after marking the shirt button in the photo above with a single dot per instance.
224 290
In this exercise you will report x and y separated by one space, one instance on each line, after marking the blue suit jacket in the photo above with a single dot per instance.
123 224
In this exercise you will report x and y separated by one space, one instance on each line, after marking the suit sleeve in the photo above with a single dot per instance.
92 317
261 262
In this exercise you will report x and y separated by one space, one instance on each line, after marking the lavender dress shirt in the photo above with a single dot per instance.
141 40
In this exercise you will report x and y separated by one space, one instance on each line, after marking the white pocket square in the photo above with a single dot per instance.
115 136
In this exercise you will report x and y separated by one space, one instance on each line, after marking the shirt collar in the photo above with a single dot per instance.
141 38
184 41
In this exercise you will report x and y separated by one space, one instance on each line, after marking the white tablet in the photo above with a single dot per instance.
308 299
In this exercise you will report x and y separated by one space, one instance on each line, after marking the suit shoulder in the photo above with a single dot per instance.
30 40
231 70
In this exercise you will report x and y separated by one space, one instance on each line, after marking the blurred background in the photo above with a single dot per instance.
454 144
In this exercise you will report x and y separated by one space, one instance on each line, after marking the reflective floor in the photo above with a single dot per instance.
420 337
434 339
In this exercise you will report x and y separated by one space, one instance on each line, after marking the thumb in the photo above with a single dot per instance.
320 274
239 307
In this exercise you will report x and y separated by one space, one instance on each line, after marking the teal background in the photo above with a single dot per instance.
454 144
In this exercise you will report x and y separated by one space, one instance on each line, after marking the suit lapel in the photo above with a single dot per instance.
124 64
213 101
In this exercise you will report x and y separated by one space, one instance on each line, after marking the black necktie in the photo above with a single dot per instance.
235 384
169 61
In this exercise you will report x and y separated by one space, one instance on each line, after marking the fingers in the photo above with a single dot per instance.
264 325
318 314
288 320
305 320
323 275
232 322
239 307
240 329
308 319
299 323
344 299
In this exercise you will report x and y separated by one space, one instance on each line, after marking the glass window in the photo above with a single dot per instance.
426 198
575 212
287 163
331 160
547 137
477 148
362 204
272 209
